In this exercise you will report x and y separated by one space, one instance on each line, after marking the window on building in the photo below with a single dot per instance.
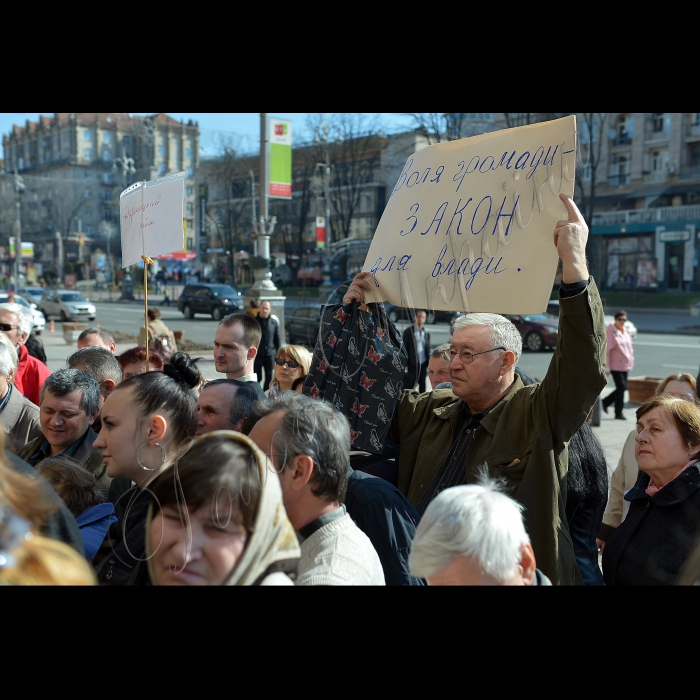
657 120
106 156
89 230
189 225
190 243
88 193
88 174
586 172
694 155
619 170
107 214
189 209
107 178
161 169
588 132
87 134
189 190
87 213
659 161
87 153
188 153
107 137
189 171
625 129
161 149
106 196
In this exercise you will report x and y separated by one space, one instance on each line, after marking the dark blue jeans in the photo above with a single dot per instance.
584 524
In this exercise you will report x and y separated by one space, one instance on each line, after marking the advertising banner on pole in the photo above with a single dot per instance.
320 231
280 158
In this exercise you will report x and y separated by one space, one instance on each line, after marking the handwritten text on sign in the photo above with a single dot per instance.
469 225
151 218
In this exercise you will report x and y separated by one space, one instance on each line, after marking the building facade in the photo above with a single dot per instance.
74 167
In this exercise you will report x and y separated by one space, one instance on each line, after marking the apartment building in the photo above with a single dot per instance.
74 167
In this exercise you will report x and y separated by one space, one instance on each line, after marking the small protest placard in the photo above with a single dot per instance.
469 225
151 218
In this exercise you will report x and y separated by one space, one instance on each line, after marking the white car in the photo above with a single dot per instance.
32 294
39 322
553 308
67 304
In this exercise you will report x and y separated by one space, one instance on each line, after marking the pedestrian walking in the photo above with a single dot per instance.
619 361
166 298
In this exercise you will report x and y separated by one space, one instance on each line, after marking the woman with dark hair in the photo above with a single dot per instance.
133 361
148 422
586 496
220 519
653 542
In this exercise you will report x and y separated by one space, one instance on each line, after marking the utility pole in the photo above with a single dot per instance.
263 276
19 189
322 136
263 287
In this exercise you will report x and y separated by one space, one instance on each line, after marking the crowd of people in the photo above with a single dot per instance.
131 469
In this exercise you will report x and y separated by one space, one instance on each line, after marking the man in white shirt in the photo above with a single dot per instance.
308 442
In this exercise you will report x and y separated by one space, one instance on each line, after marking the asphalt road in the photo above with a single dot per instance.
655 354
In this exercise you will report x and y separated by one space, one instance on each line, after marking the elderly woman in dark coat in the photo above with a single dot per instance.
657 536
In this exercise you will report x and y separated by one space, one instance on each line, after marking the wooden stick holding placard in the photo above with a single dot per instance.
155 207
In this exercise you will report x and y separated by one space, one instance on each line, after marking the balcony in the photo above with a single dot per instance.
639 216
690 173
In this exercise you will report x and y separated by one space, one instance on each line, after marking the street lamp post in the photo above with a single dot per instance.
127 167
19 189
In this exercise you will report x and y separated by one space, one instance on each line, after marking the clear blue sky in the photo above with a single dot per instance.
241 129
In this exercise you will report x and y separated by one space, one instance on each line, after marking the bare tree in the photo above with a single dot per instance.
437 127
352 146
592 131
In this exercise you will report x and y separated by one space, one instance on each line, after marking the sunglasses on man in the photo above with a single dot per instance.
7 327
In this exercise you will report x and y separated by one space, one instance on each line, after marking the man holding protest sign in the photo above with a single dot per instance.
489 417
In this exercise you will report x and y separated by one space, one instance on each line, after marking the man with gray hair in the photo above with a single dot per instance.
18 415
104 367
474 536
97 336
490 417
224 404
308 443
68 405
16 323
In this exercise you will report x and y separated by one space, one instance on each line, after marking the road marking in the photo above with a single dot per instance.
664 345
682 366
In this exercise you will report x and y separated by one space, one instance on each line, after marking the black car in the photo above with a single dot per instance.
216 300
302 324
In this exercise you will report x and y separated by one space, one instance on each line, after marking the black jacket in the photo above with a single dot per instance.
270 340
389 519
410 343
658 534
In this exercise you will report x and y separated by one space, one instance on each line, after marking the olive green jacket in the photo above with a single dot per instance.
524 438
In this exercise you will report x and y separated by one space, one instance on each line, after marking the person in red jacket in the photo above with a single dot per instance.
16 324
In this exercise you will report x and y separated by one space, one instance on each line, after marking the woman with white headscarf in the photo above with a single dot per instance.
220 519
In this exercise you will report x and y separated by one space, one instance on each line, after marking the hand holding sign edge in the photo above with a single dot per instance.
570 238
356 290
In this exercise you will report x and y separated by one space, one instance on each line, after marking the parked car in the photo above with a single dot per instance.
301 325
216 300
32 294
39 322
68 305
553 308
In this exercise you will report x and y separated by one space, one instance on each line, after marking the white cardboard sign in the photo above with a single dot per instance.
151 218
469 225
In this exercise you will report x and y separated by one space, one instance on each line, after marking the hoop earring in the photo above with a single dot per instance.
163 456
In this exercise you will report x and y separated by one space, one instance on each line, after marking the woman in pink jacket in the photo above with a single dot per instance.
619 361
